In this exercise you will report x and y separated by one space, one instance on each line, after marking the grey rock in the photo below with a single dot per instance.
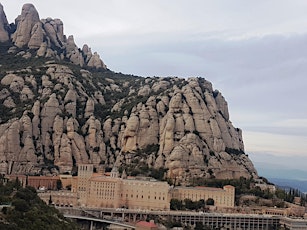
25 23
4 25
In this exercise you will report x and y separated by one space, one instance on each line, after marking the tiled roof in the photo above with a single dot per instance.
146 224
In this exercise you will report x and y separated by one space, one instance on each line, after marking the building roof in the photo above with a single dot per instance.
146 224
200 188
43 177
204 188
228 186
103 178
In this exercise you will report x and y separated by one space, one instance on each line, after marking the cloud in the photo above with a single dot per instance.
275 144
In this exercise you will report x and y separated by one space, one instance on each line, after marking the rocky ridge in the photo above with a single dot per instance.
56 113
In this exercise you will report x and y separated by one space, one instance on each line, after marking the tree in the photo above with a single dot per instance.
200 204
50 200
26 194
176 204
21 205
59 184
199 226
17 183
210 201
189 204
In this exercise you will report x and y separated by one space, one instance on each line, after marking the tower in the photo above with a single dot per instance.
114 172
85 171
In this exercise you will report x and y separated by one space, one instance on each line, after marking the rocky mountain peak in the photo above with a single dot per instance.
4 35
44 38
25 22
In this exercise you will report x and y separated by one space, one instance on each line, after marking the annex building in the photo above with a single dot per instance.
222 197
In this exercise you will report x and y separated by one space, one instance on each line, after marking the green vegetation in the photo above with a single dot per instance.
25 210
138 165
139 168
11 62
234 151
188 204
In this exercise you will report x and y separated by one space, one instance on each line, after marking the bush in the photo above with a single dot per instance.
210 201
21 205
232 151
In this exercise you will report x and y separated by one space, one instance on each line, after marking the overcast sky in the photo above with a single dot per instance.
254 52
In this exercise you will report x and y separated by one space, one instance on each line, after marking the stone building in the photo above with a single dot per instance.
145 193
98 190
45 182
37 182
59 198
223 197
103 191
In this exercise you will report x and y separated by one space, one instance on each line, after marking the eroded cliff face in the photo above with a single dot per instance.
56 114
70 117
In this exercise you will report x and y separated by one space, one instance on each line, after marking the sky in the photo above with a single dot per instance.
253 52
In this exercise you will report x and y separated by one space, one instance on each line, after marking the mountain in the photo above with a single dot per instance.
301 185
61 106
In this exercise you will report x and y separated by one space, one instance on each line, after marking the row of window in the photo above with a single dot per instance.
104 185
142 197
85 168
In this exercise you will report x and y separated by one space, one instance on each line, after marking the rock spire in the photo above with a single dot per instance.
46 38
4 25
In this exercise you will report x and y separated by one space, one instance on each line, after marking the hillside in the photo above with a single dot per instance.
61 106
23 209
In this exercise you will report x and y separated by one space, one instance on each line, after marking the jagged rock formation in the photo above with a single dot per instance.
46 38
4 25
56 115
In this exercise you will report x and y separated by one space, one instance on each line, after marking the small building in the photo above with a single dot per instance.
47 182
59 198
22 178
264 187
274 211
117 227
293 224
144 225
222 197
145 193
